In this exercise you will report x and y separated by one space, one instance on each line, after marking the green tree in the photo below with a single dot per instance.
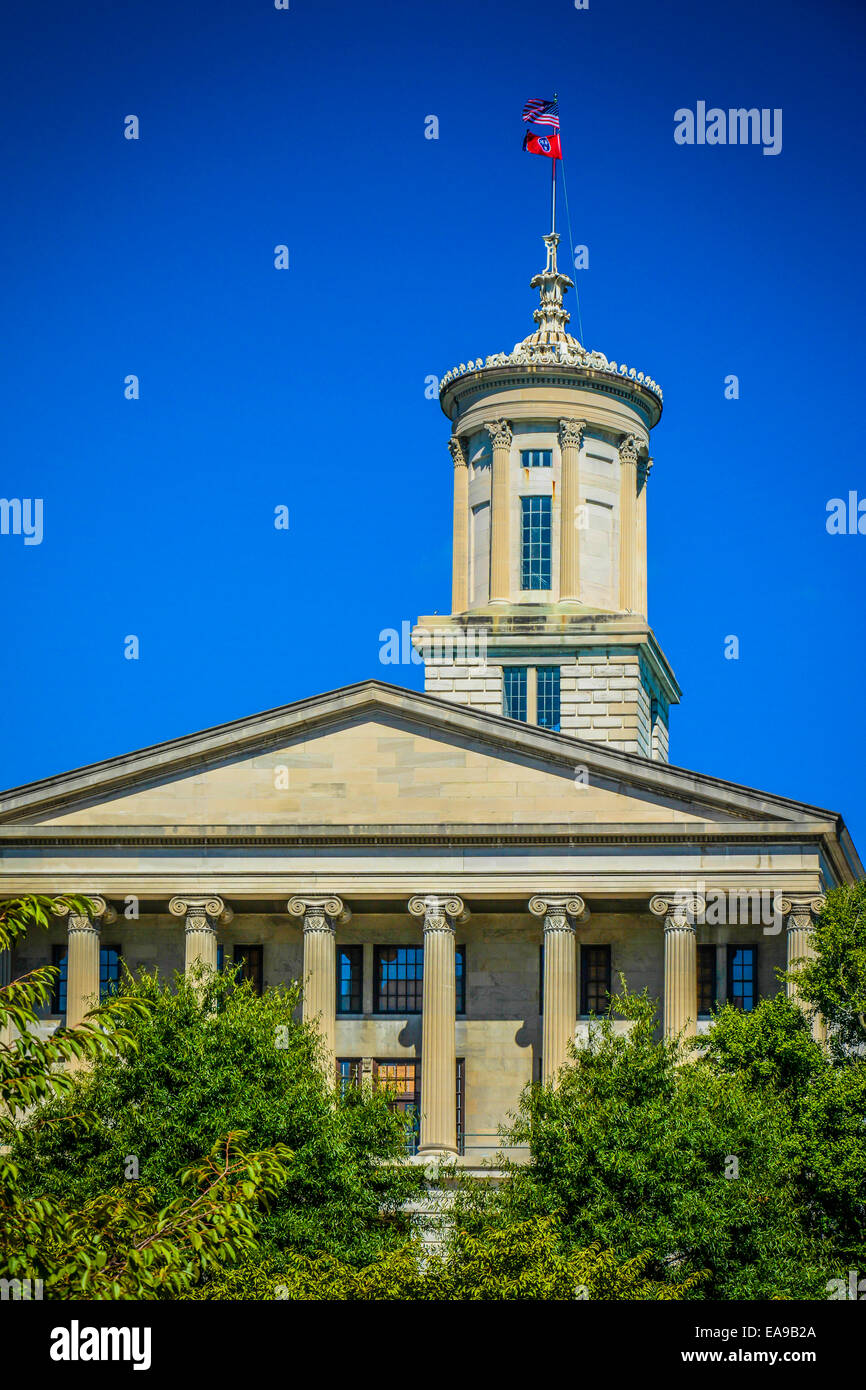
119 1242
209 1057
697 1163
834 982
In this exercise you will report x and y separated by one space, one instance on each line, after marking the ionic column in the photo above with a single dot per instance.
500 512
439 1004
570 434
460 571
681 962
82 957
800 914
201 916
643 473
321 917
559 1013
628 453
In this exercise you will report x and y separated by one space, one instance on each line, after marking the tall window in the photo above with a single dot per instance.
398 984
536 458
535 542
548 697
514 692
403 1079
743 977
594 979
350 974
706 979
250 962
109 974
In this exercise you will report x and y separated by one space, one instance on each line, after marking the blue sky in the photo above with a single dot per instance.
305 387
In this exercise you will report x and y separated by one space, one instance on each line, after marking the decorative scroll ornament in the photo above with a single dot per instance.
559 912
455 444
571 433
500 433
319 914
201 913
629 449
439 914
800 912
680 910
102 914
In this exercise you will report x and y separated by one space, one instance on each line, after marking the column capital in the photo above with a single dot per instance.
319 914
629 448
570 433
207 911
440 914
800 911
680 911
558 912
500 433
102 914
458 453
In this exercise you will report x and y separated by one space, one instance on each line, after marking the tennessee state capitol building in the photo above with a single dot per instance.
458 877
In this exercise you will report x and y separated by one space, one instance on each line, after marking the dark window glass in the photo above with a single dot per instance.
514 692
348 1074
541 978
548 697
706 979
350 970
594 979
535 542
536 458
109 974
59 960
250 961
221 956
742 977
460 969
398 979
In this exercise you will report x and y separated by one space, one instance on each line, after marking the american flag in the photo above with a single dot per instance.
542 112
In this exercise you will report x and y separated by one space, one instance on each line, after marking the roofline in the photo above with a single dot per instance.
113 775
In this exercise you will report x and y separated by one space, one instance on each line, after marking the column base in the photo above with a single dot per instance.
428 1151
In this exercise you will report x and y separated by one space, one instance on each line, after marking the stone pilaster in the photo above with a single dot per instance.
628 456
559 1012
82 957
201 916
800 914
438 1043
681 961
500 512
460 572
570 435
321 917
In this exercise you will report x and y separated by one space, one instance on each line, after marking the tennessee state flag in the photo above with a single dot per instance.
543 144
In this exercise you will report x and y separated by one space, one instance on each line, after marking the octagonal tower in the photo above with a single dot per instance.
550 445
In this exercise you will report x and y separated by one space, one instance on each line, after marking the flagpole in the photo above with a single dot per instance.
553 191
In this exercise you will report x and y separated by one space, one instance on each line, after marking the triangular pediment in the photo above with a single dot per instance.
377 755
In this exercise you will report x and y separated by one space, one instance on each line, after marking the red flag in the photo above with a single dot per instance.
543 144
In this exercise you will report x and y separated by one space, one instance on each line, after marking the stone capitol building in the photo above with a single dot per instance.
459 877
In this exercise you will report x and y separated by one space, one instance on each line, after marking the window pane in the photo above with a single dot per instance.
594 979
742 977
350 965
59 961
535 544
399 972
514 692
109 971
706 979
536 458
548 697
348 1074
460 967
250 963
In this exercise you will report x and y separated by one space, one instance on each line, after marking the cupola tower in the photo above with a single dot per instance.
551 451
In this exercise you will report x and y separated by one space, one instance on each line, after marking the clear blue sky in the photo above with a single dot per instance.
306 387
